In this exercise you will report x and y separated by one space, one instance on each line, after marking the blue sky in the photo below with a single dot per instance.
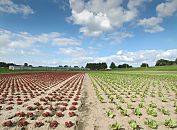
74 32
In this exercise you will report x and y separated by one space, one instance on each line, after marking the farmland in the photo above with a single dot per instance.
39 100
96 100
136 100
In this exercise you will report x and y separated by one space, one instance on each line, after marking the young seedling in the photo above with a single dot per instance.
118 107
53 124
8 123
122 100
138 112
69 124
62 108
133 124
46 114
117 96
20 114
110 114
30 108
71 114
116 126
101 99
29 114
164 99
37 104
39 124
111 100
130 106
22 123
165 112
171 123
123 112
133 100
151 123
59 114
142 99
9 108
72 108
140 105
152 105
152 112
74 103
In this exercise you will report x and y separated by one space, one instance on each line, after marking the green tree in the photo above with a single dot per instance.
113 66
25 64
96 66
163 62
124 66
4 64
144 65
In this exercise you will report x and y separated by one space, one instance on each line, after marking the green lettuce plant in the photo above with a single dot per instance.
171 123
116 126
151 123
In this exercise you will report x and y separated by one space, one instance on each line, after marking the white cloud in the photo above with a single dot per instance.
73 51
167 9
49 62
66 41
99 16
8 6
133 4
77 51
31 51
25 39
80 56
132 58
118 37
24 47
151 25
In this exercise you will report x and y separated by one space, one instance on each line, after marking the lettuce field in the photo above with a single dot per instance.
137 100
39 100
96 100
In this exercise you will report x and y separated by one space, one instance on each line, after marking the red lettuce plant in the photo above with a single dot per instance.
39 124
54 124
8 123
69 124
59 114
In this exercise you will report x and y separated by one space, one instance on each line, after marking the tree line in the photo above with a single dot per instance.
101 66
113 66
163 62
96 66
5 65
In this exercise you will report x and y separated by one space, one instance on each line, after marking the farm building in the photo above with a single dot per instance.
45 68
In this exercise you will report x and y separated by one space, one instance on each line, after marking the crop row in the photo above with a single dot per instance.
56 104
140 99
19 88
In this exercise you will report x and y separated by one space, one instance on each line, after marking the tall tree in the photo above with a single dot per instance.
144 65
113 66
3 64
25 64
163 62
96 66
124 66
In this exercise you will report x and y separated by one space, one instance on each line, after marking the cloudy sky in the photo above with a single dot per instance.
74 32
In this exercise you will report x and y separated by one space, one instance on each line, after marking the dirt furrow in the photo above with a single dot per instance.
91 112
